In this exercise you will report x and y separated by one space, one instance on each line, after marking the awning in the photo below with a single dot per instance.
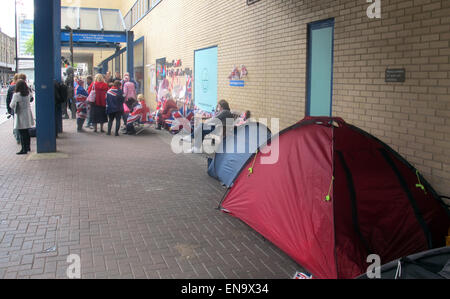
98 27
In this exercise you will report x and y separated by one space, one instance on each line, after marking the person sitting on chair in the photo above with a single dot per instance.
170 106
140 115
244 118
209 126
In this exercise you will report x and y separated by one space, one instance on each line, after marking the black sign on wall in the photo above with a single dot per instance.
395 75
251 1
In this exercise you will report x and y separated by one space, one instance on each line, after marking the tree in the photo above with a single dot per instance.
29 46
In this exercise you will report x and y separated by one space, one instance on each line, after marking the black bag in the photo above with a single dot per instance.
32 132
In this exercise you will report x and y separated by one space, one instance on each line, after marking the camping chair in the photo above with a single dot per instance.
141 126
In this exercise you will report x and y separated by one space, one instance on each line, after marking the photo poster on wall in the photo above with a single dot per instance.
160 71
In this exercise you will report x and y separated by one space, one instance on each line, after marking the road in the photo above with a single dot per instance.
2 105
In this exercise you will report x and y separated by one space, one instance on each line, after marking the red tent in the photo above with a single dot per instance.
335 196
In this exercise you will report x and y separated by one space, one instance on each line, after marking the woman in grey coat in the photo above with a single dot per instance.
23 116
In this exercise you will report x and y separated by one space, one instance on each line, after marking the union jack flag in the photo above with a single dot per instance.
80 98
189 91
300 275
141 114
182 119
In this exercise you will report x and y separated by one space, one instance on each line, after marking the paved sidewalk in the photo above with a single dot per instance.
129 207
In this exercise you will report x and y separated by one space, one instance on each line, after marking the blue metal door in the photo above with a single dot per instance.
320 68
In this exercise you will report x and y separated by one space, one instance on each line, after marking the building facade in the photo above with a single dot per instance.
7 57
25 33
382 66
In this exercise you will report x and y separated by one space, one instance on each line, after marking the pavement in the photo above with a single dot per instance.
128 207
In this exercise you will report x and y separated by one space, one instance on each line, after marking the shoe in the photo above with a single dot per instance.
117 134
21 153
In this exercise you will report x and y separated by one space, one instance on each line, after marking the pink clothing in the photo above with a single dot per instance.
129 90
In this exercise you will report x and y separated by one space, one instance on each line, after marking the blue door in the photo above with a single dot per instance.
205 79
320 68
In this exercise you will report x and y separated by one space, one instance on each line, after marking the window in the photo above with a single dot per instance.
112 20
135 14
155 2
139 66
128 21
138 11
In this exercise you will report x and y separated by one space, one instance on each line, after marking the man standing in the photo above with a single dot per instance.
117 77
70 103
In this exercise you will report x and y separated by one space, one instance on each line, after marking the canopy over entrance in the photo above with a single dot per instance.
92 27
97 28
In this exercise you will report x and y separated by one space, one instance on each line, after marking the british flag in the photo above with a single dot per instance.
141 114
182 120
81 104
159 107
189 91
301 275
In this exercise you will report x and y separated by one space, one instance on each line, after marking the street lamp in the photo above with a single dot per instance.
15 28
70 77
71 43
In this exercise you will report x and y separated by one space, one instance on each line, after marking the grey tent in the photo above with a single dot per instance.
432 264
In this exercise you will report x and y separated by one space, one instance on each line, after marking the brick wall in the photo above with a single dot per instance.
270 38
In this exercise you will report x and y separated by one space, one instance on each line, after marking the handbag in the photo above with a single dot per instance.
126 110
92 96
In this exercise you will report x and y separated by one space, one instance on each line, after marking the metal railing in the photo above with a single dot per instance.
138 11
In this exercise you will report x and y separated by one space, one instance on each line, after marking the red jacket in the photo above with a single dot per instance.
101 88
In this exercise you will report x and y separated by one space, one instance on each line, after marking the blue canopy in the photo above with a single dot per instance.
236 150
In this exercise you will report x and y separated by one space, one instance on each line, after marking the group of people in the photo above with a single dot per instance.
102 100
